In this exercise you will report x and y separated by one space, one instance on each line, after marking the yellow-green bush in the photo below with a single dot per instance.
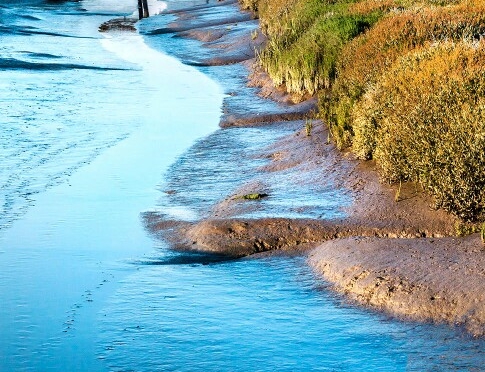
400 81
424 121
364 59
305 38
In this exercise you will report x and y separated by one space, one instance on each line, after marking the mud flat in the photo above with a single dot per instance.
439 280
386 247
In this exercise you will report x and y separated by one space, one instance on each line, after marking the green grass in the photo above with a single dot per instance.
252 196
302 51
308 64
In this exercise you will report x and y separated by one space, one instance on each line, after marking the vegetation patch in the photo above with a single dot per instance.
366 58
425 121
253 196
398 81
305 38
482 234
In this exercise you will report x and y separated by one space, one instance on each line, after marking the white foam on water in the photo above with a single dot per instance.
154 8
132 48
122 6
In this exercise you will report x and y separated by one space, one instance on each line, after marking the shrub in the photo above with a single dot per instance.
368 6
399 80
364 59
425 121
283 20
249 5
305 42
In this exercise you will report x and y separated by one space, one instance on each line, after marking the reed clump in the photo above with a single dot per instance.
305 38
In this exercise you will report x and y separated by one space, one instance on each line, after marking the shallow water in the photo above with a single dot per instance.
82 153
93 130
261 315
215 167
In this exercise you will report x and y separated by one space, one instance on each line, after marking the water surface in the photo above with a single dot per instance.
93 130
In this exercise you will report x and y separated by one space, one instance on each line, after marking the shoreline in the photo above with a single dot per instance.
349 252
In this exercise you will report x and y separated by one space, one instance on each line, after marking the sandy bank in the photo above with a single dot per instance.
441 280
387 249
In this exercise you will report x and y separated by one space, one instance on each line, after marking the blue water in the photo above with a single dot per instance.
93 129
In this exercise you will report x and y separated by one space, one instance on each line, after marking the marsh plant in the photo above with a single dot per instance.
398 81
308 127
424 121
365 59
305 38
254 35
466 228
252 196
482 233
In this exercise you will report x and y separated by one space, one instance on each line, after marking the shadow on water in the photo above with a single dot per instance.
211 168
15 64
217 168
263 315
185 258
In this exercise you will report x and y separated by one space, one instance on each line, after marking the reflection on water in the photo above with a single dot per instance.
216 166
57 103
81 155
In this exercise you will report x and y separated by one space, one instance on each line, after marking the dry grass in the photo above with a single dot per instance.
368 6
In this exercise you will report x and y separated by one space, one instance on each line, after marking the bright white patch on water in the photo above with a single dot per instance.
156 7
178 212
132 48
122 6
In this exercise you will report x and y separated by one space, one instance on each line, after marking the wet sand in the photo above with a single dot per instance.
439 280
390 249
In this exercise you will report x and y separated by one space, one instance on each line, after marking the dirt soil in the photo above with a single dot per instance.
391 251
440 280
373 212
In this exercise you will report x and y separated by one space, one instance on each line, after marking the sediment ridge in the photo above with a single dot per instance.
391 250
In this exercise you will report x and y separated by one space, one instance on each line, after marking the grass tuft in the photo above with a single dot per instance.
305 38
308 127
253 196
